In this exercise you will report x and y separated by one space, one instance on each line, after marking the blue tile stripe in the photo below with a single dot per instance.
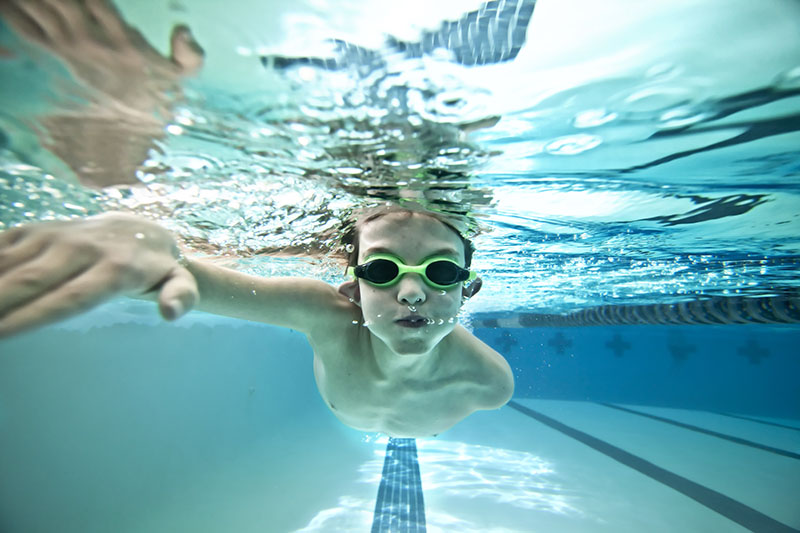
734 510
494 33
400 507
698 429
757 420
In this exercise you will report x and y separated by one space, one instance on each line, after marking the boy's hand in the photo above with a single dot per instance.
53 270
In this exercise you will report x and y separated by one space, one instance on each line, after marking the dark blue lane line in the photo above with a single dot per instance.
767 422
698 429
400 507
728 507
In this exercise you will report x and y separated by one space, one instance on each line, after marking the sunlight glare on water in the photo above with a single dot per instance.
477 474
628 153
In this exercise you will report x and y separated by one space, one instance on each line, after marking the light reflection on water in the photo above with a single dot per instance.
469 474
519 479
590 176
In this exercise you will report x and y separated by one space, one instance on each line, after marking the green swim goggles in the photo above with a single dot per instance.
384 270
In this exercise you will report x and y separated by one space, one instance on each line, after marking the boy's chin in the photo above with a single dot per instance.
412 349
411 341
413 346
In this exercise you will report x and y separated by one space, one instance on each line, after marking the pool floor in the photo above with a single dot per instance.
596 467
191 430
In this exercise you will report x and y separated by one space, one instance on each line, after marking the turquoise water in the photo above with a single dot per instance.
624 159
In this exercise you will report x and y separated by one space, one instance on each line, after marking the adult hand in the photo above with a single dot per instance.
125 88
53 270
102 50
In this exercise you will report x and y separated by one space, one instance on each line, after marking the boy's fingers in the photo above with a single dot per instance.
178 294
10 236
71 298
19 253
31 272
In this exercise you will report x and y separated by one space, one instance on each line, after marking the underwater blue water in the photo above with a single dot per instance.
215 425
745 370
626 155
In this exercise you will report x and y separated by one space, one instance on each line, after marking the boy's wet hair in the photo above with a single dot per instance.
350 235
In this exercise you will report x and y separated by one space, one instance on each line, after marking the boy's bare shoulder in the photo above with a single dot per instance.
494 379
330 309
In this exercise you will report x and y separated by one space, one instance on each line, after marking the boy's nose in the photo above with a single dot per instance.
411 289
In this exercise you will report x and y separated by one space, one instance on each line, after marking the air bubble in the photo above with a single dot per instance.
412 308
592 118
174 129
573 144
349 248
789 79
139 235
355 322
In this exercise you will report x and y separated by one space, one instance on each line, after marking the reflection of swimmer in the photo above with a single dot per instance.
126 83
124 78
389 355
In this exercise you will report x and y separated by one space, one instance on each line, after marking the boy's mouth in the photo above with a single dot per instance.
413 321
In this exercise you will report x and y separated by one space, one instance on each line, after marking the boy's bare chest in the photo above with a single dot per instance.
418 405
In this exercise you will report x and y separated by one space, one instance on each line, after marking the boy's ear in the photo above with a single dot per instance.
352 291
472 289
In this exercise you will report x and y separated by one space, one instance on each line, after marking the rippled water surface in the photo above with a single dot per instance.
626 153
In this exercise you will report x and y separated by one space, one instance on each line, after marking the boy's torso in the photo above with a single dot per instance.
405 404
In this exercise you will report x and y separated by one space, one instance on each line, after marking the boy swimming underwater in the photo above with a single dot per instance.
411 372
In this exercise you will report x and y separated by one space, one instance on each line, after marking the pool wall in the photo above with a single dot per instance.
744 369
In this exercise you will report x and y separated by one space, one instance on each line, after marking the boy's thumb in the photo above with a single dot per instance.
178 294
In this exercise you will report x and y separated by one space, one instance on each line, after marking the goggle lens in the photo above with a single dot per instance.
441 273
380 271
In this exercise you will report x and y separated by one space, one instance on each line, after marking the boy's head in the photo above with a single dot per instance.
351 242
411 316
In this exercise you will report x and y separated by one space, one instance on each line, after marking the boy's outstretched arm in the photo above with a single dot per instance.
303 304
53 270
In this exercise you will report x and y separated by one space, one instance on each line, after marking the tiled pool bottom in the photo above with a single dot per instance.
578 466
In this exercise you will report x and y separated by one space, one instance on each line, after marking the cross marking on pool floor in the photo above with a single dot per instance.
560 343
753 351
618 345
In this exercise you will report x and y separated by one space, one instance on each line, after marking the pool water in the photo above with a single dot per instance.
207 426
629 173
